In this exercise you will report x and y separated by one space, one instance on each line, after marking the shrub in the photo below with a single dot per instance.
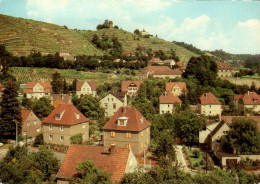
196 153
76 139
38 140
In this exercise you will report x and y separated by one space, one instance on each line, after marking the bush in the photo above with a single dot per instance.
196 153
38 140
76 139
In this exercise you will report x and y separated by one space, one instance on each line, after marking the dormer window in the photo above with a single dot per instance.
57 116
77 115
122 121
141 120
255 100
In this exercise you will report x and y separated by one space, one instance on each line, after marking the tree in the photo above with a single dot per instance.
137 31
57 83
89 106
4 61
253 87
27 103
73 86
42 107
244 136
88 173
10 111
65 87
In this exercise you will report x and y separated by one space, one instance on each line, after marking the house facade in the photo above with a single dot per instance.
131 87
113 101
209 105
167 102
176 88
31 124
38 89
128 128
62 123
225 69
249 100
114 160
86 88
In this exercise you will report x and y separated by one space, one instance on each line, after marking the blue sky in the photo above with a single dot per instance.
233 26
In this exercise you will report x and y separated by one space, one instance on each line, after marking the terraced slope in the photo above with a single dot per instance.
130 41
24 35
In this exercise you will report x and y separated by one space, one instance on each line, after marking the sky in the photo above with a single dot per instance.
230 25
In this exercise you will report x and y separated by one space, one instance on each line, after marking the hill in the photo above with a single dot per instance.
23 35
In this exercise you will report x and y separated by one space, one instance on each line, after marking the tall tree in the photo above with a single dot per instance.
65 87
10 110
57 83
42 108
5 57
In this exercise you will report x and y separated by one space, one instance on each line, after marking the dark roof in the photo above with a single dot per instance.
114 162
136 121
92 84
69 117
119 95
224 66
216 129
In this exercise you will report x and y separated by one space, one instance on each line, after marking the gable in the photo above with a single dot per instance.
38 87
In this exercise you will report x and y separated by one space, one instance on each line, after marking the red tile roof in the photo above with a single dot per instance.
224 66
249 98
125 84
167 72
69 115
114 162
155 60
25 114
136 121
209 99
128 52
92 84
182 65
45 85
160 70
228 119
170 85
169 98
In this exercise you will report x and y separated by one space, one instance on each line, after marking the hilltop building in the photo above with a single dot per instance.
225 69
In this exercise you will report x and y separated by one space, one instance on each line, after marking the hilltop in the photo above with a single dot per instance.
23 35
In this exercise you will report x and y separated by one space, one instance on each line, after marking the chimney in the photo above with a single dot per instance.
165 94
234 151
248 92
124 110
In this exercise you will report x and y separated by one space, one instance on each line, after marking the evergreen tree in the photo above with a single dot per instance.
65 87
10 111
5 57
73 86
57 83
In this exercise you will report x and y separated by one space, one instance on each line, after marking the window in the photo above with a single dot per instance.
61 128
46 94
50 127
112 99
77 115
105 105
27 123
147 141
147 130
128 146
210 112
114 106
57 116
61 138
83 89
142 145
38 129
225 132
50 137
24 133
83 136
128 134
142 133
108 99
121 122
34 122
83 125
209 106
112 134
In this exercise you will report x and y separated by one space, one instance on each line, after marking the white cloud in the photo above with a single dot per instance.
32 14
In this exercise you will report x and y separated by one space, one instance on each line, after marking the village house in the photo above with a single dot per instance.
249 100
181 65
130 87
176 88
169 62
128 53
38 89
160 72
128 128
225 69
31 124
67 56
57 99
112 102
209 105
86 88
62 123
167 102
114 160
157 61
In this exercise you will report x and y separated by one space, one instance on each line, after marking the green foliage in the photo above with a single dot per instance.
20 166
89 106
57 83
10 111
190 47
244 136
38 140
245 178
27 103
42 107
196 153
88 173
76 139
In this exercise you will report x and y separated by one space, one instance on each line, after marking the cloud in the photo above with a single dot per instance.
32 14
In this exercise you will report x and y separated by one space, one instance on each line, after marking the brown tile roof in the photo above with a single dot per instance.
237 97
128 52
69 115
155 60
136 121
45 85
167 72
92 84
182 65
125 84
25 113
170 85
249 98
216 129
63 97
156 68
114 162
224 66
228 119
169 98
209 99
119 95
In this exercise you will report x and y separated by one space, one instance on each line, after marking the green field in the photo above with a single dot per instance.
30 74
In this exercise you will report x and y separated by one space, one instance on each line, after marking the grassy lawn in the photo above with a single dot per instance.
256 76
192 158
